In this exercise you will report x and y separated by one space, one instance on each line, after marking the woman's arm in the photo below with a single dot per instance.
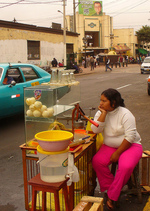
100 119
124 146
102 116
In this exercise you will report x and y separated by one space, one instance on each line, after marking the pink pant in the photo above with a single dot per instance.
126 164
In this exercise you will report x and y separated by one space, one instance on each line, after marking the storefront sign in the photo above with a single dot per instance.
92 25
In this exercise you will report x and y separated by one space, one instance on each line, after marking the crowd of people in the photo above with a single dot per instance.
94 61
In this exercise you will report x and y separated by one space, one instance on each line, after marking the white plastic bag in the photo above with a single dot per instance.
73 173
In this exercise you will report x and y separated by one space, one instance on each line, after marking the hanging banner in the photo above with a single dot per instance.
90 8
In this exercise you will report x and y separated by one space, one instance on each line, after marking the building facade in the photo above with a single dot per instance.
96 29
39 45
101 37
32 44
126 39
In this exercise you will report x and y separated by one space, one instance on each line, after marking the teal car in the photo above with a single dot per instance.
13 79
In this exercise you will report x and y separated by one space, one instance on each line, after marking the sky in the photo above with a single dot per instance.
125 13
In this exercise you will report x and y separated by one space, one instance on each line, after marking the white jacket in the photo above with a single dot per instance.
119 125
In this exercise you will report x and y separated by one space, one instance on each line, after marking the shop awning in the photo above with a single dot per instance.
121 48
142 51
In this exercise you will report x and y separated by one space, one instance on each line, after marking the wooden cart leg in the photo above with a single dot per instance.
71 196
56 196
43 201
34 194
66 198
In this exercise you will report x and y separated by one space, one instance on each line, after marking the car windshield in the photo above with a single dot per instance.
1 70
147 60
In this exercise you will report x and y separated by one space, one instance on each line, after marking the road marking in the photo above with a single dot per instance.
101 77
124 86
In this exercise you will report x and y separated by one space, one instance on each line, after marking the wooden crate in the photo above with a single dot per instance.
89 203
145 173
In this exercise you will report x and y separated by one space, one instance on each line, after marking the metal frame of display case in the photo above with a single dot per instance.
62 99
83 160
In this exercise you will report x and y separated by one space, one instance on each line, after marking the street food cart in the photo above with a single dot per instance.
61 100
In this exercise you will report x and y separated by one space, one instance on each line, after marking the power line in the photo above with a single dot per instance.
129 8
30 2
10 4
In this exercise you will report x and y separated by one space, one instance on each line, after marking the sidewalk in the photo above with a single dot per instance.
101 69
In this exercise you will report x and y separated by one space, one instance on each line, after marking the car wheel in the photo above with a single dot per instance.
148 91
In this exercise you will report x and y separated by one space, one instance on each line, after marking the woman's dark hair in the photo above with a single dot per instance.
114 97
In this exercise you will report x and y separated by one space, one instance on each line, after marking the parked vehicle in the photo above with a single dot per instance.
145 66
22 76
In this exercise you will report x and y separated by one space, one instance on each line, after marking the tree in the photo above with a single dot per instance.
143 35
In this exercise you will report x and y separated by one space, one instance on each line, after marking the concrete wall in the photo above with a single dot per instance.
13 45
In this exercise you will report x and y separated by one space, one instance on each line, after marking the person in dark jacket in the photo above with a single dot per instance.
54 62
8 79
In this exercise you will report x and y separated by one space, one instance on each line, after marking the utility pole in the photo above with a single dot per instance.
64 32
74 16
111 34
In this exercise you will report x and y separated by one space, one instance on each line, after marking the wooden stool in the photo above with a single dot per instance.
133 183
90 203
38 185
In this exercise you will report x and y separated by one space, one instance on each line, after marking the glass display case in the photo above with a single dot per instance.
45 104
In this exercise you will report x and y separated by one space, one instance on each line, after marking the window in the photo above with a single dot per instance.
1 70
69 48
29 73
15 74
33 50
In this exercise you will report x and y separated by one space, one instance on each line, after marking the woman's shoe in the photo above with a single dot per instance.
109 204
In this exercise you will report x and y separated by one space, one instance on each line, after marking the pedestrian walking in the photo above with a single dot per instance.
92 63
127 59
107 62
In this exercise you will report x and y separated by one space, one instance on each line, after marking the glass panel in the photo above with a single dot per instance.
29 73
15 74
147 60
1 70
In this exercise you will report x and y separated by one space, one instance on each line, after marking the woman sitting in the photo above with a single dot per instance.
122 144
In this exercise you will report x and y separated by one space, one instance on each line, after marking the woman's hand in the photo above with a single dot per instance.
114 157
103 114
124 146
102 110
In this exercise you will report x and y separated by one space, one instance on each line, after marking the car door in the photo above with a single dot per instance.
30 76
12 95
